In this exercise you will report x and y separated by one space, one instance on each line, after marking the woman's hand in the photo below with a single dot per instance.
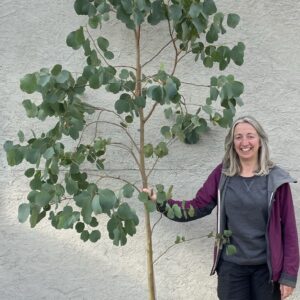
151 193
285 291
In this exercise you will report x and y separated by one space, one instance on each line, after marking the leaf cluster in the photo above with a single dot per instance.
224 240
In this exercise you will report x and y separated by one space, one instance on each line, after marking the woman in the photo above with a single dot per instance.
254 202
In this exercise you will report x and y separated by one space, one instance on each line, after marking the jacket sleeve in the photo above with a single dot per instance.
200 206
290 238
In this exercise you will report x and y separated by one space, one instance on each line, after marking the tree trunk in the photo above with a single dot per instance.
149 250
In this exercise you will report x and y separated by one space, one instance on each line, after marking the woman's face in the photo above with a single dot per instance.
246 142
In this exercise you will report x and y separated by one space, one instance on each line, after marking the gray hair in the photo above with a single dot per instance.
231 161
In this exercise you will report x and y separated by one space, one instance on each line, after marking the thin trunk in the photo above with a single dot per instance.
138 92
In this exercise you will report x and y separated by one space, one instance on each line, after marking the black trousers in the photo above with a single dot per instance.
240 282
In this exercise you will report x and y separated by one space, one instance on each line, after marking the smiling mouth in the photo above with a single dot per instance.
246 149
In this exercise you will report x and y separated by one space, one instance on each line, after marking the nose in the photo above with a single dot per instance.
244 141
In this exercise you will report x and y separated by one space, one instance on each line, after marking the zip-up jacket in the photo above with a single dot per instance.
281 233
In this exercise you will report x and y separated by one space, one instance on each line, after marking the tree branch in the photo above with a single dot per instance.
171 246
124 66
96 48
195 84
158 220
106 110
183 55
150 113
96 128
125 147
165 46
157 159
118 178
117 125
175 47
184 103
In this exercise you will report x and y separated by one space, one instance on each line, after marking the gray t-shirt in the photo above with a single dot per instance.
246 210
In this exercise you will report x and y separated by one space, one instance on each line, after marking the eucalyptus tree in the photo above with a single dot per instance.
59 172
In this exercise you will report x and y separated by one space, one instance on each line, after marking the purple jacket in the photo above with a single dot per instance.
281 235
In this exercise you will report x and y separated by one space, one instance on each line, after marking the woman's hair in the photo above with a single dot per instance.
231 161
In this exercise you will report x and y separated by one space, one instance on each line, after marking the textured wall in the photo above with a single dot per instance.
47 264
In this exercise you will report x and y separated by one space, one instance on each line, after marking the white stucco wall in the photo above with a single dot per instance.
48 264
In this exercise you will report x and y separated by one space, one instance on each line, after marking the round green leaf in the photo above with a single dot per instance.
124 211
107 199
29 172
170 213
94 22
160 188
208 62
49 153
237 88
84 235
161 150
94 81
170 88
233 20
230 249
192 137
128 190
75 39
175 12
14 156
82 7
103 43
237 54
96 205
209 7
166 132
150 206
28 83
114 87
227 233
157 93
140 101
195 10
63 77
33 155
143 197
56 70
212 34
123 104
86 211
191 212
31 109
129 119
148 150
79 227
177 211
21 136
94 236
157 12
124 74
93 59
23 212
168 112
94 222
109 55
130 227
214 93
42 198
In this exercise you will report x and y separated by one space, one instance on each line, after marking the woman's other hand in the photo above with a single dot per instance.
286 291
